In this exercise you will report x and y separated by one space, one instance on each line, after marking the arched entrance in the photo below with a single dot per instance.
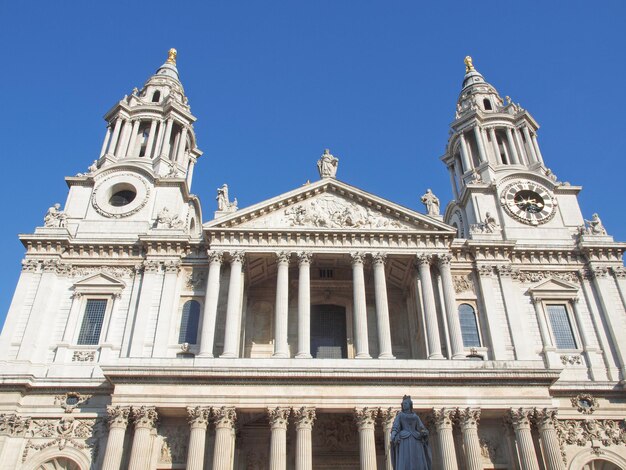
59 463
600 464
328 332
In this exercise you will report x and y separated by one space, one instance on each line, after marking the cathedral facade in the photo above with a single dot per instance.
284 335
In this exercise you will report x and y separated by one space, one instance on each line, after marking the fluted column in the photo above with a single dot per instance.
511 142
145 418
382 307
165 147
115 136
233 309
387 417
529 144
465 156
304 418
546 420
533 137
182 141
520 420
430 311
212 292
224 418
304 305
454 324
117 419
278 417
130 152
494 145
482 155
468 420
105 142
443 422
366 421
281 313
198 421
123 142
359 307
158 144
151 137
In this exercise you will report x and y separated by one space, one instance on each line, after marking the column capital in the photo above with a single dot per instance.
443 418
278 417
304 416
117 416
619 272
468 417
357 257
237 256
444 259
485 270
365 417
145 417
304 257
424 259
198 417
519 418
172 266
545 418
379 258
215 256
283 257
387 416
224 417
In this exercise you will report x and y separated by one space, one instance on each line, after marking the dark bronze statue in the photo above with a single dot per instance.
409 440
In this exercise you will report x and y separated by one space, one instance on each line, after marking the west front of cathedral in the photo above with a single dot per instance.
143 335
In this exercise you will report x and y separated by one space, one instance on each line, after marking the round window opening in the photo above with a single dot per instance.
122 198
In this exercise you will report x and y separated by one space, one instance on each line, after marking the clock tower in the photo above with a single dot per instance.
502 188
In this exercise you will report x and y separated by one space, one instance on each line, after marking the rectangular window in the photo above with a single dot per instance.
561 327
92 321
326 273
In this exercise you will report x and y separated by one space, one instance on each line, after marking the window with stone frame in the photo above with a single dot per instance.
93 319
561 326
469 326
189 321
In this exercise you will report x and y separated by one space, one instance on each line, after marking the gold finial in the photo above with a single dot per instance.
171 56
469 66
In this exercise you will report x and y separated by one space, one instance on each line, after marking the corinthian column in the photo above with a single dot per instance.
233 310
388 416
520 420
359 307
117 419
366 420
304 450
468 419
304 305
198 421
443 422
546 420
279 418
281 319
145 419
224 438
454 325
430 312
212 292
382 307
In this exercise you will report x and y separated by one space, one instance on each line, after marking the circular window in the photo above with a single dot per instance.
122 198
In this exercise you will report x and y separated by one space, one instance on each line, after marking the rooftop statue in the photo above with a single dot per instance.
55 217
431 202
223 202
409 440
327 165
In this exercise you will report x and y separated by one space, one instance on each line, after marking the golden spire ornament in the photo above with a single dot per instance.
469 66
171 56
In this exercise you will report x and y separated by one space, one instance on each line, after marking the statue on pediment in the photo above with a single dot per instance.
327 165
595 226
223 202
55 217
431 202
409 440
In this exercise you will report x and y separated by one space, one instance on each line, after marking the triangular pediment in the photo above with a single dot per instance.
329 205
553 287
99 281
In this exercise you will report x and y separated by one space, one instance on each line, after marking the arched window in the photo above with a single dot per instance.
156 97
487 104
59 463
189 322
469 326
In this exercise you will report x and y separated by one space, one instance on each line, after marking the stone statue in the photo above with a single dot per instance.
409 440
431 202
223 203
55 217
327 165
490 223
594 226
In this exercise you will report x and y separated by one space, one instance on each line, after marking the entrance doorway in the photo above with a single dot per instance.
328 332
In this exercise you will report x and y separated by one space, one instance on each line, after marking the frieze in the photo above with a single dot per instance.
114 271
462 283
536 276
580 432
14 425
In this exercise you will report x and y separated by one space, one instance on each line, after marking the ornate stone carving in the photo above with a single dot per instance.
619 272
387 416
599 271
304 416
424 259
30 265
70 400
172 266
151 266
144 416
198 416
357 258
174 446
520 417
278 417
14 425
223 202
365 416
165 219
580 432
117 416
536 276
444 259
216 256
506 270
488 225
114 271
468 417
379 258
443 417
485 270
336 433
327 165
55 217
594 226
224 416
84 356
283 257
462 283
238 256
571 359
431 202
585 403
304 257
488 449
196 279
56 266
104 185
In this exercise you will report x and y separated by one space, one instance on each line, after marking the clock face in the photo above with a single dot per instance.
528 202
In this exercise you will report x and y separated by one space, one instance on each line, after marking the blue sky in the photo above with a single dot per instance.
273 83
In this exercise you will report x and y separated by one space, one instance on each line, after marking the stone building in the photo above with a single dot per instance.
284 335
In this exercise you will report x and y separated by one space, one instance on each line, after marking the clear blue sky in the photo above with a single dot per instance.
273 83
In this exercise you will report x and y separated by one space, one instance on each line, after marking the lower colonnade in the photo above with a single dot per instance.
454 437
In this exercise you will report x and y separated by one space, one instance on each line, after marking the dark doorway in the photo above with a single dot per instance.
328 332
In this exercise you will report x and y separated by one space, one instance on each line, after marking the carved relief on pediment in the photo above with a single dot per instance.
328 211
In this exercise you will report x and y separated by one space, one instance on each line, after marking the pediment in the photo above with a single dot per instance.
99 282
329 205
554 287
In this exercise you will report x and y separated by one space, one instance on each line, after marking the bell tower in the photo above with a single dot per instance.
502 188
